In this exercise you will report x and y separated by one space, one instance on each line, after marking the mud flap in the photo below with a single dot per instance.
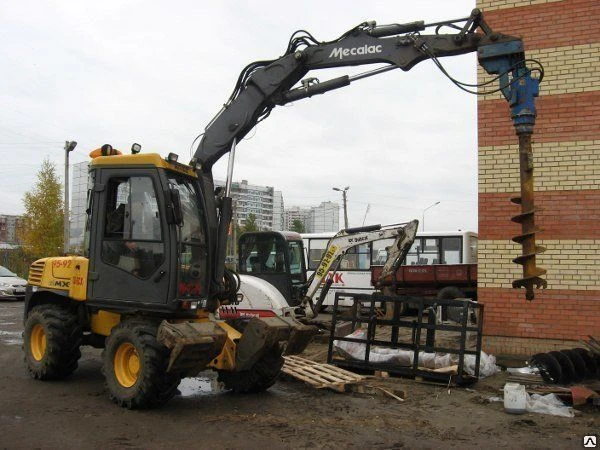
263 333
193 345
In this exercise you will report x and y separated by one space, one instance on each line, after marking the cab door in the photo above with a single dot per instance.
129 245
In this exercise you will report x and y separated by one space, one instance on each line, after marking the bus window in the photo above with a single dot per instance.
414 253
316 247
379 255
430 253
451 253
358 258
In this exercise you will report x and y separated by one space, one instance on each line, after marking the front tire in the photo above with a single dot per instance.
51 341
259 377
135 367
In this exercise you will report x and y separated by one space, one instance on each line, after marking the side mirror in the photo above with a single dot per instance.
176 215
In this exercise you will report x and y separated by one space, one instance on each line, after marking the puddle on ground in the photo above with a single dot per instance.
205 384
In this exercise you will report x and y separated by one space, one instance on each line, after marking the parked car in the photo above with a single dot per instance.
12 287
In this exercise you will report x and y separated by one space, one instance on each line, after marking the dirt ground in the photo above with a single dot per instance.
76 413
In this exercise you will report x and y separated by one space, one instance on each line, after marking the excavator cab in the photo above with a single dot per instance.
147 239
276 257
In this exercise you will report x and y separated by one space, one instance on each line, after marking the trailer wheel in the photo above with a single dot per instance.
51 341
450 293
135 367
258 378
450 312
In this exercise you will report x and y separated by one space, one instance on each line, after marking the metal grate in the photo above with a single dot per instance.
420 334
36 272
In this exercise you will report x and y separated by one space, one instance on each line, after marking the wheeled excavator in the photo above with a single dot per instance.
153 273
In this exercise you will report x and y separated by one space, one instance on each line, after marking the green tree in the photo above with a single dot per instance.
42 233
298 226
250 224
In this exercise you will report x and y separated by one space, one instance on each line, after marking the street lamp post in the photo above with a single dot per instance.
345 198
69 147
429 207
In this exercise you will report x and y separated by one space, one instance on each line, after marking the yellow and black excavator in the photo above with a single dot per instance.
153 273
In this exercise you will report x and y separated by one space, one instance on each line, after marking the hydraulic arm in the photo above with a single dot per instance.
403 235
263 85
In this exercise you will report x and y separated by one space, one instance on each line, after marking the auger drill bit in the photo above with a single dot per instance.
531 273
520 89
523 92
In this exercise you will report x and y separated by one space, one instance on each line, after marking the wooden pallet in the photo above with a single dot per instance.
320 375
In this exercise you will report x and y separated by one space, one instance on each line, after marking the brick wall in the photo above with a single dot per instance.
565 38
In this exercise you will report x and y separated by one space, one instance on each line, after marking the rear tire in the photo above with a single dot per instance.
259 377
51 341
135 367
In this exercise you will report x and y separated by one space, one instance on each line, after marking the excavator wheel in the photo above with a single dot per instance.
135 367
259 377
51 341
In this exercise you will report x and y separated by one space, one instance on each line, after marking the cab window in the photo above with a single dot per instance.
132 239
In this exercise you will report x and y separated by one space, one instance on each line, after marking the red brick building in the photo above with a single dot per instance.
565 37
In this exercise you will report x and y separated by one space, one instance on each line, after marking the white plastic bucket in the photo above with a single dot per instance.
515 398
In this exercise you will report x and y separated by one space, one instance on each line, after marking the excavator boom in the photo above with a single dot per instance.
262 85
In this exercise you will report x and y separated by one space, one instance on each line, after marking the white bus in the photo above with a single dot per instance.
354 273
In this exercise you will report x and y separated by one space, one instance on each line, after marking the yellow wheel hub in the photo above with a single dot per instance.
127 365
37 342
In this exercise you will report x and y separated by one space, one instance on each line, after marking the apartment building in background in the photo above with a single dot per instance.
294 213
264 202
9 225
316 219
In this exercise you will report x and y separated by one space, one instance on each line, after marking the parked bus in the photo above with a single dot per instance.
436 260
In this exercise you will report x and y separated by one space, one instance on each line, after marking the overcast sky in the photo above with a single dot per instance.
157 72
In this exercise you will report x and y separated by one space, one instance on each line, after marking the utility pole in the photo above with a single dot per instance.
345 198
69 147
